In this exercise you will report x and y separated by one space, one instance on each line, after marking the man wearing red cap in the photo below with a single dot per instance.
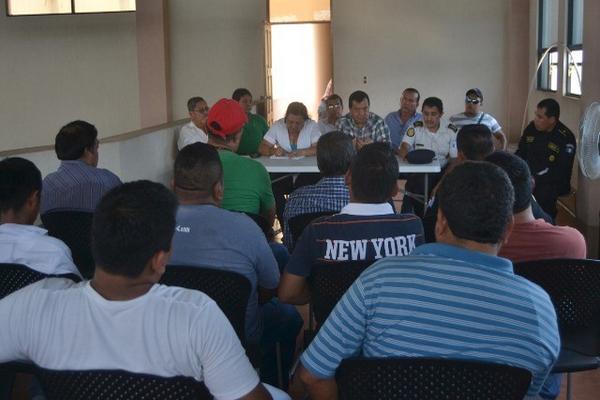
246 181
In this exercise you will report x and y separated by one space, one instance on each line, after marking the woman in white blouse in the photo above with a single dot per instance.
294 135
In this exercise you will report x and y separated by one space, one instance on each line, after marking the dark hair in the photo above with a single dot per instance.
551 107
131 224
19 178
433 102
374 173
335 97
73 138
191 104
198 167
519 175
413 90
477 199
239 93
475 141
296 108
358 97
335 151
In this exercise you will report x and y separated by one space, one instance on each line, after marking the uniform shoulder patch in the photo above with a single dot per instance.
453 127
418 123
410 132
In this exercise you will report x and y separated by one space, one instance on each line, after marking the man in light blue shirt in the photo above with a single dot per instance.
454 299
399 121
207 235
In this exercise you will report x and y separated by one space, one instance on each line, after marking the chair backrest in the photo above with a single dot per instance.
425 378
299 222
229 290
329 282
16 276
574 288
263 224
74 228
115 384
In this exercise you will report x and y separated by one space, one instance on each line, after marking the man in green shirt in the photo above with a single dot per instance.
255 128
247 186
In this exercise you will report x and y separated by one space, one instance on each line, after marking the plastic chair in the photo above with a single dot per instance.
573 286
426 378
16 276
263 224
74 228
115 384
301 221
229 290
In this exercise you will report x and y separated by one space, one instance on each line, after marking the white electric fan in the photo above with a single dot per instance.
589 141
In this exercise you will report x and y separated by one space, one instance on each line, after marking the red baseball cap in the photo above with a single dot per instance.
226 117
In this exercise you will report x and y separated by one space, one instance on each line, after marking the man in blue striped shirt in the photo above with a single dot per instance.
454 299
335 151
78 184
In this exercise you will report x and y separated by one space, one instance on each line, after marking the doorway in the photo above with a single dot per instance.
299 54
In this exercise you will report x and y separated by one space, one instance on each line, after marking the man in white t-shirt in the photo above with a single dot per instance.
432 133
474 115
122 319
20 241
195 130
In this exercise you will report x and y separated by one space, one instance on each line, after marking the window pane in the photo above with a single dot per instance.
548 73
576 24
299 10
549 22
573 85
31 7
87 6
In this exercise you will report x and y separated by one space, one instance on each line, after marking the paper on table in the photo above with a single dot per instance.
286 158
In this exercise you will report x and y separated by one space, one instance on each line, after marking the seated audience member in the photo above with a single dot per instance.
195 130
399 121
474 143
364 126
247 186
365 229
454 299
335 151
535 239
255 128
207 235
123 319
474 115
433 133
333 112
294 135
78 184
549 148
20 241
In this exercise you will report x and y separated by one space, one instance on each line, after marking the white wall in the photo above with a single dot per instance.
216 47
440 47
56 69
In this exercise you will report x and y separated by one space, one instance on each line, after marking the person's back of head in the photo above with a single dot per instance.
373 174
225 122
74 139
474 142
335 151
132 223
518 173
476 199
197 170
20 188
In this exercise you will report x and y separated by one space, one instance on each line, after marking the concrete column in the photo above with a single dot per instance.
153 62
588 191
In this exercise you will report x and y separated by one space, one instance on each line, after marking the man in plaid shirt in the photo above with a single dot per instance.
366 127
335 151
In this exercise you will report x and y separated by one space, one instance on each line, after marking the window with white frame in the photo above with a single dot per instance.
575 45
547 78
45 7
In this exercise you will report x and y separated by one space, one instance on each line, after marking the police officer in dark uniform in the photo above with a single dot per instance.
548 147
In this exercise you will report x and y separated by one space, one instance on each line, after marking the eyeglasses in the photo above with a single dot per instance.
202 110
332 106
472 101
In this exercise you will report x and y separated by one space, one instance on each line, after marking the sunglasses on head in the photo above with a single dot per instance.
472 101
